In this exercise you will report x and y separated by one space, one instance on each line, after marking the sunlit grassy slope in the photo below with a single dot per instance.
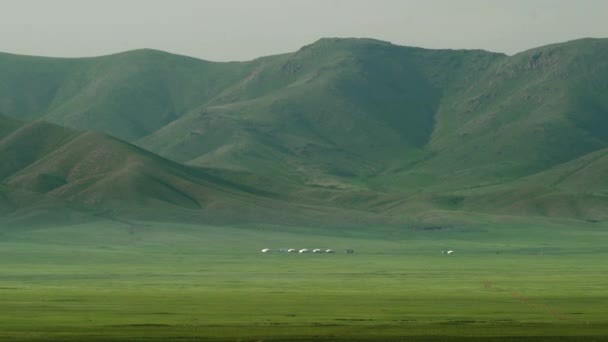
363 123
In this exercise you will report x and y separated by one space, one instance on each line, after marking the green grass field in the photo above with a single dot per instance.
154 281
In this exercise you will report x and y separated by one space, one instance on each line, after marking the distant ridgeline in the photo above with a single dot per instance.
341 131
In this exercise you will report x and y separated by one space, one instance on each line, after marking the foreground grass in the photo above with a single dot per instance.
178 282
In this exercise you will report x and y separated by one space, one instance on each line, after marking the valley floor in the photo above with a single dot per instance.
154 281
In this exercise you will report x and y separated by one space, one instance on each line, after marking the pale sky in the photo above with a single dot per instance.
245 29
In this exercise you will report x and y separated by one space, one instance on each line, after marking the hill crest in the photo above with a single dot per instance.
337 117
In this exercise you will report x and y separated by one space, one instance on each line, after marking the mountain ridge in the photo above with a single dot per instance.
340 116
64 174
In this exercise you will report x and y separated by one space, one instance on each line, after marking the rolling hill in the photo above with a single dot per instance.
355 123
52 169
128 95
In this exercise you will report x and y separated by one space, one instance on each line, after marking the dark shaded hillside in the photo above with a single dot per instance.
47 168
88 168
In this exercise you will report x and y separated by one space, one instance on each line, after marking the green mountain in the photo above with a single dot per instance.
356 123
128 95
49 168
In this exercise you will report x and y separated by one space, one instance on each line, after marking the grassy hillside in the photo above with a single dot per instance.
577 188
127 95
524 115
337 110
51 168
356 123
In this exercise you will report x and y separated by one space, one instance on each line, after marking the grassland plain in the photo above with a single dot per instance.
106 281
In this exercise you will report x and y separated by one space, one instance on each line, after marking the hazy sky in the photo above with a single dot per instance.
245 29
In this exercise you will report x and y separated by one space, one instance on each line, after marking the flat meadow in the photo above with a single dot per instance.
108 281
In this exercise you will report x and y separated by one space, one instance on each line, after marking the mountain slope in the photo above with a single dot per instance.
49 168
358 123
127 95
578 188
335 108
342 113
345 110
90 168
527 113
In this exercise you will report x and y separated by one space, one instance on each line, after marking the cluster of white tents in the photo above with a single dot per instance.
300 251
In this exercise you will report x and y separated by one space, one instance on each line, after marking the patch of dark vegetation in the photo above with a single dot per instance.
472 231
291 67
449 201
324 324
434 228
471 322
343 173
142 325
444 228
162 313
107 214
463 322
215 177
536 251
46 182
